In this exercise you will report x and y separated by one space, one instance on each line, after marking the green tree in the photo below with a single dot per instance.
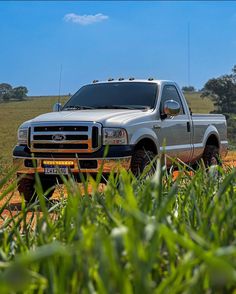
19 93
222 91
5 89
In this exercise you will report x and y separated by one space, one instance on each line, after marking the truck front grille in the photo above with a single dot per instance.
73 128
61 146
84 137
68 137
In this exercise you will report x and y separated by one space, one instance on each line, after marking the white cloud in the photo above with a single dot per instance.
85 19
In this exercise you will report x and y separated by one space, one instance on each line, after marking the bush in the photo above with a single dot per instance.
188 89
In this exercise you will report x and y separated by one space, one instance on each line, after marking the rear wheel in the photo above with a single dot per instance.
26 188
211 156
141 159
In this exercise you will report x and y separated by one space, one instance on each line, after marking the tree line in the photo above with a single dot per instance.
7 92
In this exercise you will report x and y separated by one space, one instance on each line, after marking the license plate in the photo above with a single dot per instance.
56 170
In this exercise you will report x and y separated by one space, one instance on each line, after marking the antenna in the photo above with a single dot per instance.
188 44
59 90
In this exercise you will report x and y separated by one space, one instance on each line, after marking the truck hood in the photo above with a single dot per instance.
107 117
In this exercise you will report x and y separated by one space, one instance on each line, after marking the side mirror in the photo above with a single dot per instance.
171 108
56 107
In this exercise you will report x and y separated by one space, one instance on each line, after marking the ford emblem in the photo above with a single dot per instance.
58 137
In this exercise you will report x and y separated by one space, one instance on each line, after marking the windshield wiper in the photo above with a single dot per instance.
114 107
78 107
132 107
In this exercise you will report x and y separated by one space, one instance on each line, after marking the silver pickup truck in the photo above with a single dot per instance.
137 119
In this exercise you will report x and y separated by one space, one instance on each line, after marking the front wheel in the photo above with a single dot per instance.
141 160
26 188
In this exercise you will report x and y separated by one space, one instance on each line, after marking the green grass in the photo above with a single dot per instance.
155 236
199 104
14 113
163 236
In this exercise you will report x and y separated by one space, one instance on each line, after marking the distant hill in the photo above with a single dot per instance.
52 97
198 104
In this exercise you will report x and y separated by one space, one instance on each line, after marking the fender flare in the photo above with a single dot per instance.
145 133
211 130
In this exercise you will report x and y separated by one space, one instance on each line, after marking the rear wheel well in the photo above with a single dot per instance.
146 144
213 141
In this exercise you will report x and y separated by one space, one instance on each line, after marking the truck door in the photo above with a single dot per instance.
175 132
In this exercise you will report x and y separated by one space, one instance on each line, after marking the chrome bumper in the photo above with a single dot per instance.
107 165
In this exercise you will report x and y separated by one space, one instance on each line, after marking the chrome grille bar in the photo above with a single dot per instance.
79 140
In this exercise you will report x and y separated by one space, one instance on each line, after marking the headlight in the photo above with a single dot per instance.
114 136
22 136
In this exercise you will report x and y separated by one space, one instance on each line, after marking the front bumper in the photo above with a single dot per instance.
105 164
117 157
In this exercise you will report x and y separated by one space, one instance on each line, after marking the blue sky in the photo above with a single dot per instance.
102 39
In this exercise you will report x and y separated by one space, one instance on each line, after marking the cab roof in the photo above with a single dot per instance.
123 80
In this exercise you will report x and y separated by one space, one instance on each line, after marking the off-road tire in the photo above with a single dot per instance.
26 188
140 160
211 156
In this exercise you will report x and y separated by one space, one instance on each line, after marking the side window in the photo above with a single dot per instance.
170 93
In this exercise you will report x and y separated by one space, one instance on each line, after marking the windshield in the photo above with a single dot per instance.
126 95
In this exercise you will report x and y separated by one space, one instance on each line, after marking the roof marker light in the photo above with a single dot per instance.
95 81
110 79
131 79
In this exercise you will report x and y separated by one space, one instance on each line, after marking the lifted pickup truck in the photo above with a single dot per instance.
136 118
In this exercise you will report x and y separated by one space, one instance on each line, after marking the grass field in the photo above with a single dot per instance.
198 104
14 113
162 235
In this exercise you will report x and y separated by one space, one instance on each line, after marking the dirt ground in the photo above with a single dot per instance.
15 204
